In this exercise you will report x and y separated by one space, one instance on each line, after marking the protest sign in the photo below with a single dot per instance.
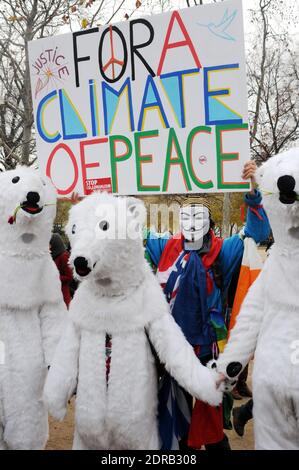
152 105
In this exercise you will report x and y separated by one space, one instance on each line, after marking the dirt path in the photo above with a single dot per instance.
61 434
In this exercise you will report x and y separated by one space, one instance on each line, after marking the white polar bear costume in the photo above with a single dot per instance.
31 306
268 323
119 296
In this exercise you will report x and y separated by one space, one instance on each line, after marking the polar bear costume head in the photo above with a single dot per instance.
27 212
106 238
278 179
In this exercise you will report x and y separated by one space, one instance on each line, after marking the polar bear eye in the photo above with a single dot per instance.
74 229
15 180
104 225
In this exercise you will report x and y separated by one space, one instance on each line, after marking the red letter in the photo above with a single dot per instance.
171 45
85 165
71 188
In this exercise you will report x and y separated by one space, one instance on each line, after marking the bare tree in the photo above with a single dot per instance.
20 22
273 80
190 3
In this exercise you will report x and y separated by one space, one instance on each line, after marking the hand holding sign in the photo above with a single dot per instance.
75 198
249 171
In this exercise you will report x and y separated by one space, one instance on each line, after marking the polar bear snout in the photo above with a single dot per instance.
286 185
82 266
33 197
31 203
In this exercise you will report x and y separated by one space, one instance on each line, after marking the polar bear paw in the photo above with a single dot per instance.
55 407
226 382
208 390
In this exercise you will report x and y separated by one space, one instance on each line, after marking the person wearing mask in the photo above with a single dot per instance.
195 269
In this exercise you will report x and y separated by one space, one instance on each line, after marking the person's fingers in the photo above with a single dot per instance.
249 171
75 198
247 168
248 176
250 165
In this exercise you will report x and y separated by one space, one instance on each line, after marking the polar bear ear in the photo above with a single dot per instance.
136 208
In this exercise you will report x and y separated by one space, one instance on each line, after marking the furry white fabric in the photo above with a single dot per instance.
121 297
268 323
31 308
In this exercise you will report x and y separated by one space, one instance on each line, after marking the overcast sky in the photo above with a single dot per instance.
247 6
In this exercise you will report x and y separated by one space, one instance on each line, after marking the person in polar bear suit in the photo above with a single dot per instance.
31 306
268 323
105 352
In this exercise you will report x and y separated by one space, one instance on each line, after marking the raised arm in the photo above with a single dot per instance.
257 223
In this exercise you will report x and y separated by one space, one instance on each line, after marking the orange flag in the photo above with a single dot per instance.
252 265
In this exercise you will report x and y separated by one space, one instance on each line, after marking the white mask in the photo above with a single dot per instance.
195 224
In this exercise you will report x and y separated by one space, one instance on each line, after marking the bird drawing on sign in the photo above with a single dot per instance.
220 29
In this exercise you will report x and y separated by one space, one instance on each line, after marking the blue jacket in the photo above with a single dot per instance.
230 257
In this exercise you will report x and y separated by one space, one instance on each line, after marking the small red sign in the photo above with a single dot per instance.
98 184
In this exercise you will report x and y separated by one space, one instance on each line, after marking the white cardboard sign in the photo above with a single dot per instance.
152 105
